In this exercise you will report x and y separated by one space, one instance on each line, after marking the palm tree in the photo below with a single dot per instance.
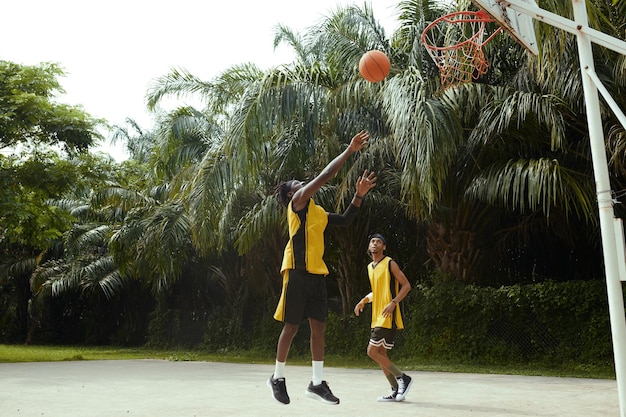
79 269
543 111
301 115
513 148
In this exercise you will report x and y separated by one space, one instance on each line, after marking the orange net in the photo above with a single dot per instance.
460 57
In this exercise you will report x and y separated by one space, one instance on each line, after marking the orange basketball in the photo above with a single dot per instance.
374 66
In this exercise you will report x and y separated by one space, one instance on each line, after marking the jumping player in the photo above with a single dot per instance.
304 293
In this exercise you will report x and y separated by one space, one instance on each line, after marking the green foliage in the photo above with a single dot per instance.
174 328
52 243
347 335
29 115
27 217
449 315
258 333
547 323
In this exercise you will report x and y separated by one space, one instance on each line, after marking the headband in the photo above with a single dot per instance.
379 236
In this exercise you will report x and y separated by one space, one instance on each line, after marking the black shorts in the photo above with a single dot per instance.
381 336
305 297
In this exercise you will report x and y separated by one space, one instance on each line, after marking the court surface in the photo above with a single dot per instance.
155 388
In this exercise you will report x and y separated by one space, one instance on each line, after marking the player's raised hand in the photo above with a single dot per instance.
359 141
366 182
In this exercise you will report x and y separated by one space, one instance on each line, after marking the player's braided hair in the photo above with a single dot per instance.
282 191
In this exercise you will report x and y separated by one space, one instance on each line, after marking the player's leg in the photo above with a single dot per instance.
318 329
381 341
379 355
277 381
317 311
318 388
285 340
291 312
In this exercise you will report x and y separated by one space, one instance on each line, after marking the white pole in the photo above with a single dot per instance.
605 203
607 97
542 15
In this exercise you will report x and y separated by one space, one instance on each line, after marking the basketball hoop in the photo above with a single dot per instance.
461 57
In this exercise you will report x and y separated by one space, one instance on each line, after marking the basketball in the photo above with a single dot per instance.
374 66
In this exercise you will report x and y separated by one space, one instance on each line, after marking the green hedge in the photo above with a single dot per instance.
541 323
547 323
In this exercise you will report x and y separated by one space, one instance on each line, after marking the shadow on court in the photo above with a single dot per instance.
153 388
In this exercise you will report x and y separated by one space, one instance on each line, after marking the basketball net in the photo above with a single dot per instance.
460 58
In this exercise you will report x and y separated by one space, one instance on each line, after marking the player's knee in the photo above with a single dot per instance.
372 352
290 329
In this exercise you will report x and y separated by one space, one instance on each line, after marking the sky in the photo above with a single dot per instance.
112 51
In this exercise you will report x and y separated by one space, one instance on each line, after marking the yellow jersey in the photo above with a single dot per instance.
384 288
315 221
305 248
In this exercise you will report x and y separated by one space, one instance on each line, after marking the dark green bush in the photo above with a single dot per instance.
175 328
347 336
547 323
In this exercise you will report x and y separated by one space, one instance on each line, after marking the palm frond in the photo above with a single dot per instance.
535 185
426 136
263 218
86 238
178 83
102 275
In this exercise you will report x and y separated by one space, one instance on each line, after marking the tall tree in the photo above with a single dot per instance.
29 114
43 201
519 152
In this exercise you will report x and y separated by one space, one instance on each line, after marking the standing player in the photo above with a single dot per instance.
304 271
386 278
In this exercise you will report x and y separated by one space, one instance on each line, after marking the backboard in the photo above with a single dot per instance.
517 24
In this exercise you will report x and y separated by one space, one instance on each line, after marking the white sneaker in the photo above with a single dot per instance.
393 392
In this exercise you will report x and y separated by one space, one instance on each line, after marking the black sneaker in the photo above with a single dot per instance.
279 389
321 392
404 383
393 393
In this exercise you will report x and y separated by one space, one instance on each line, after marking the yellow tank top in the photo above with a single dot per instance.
315 224
316 220
383 284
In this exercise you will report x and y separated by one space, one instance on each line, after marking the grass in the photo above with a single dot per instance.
22 353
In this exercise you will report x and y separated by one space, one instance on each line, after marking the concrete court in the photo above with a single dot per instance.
156 388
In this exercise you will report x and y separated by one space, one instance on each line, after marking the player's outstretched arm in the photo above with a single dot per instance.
358 142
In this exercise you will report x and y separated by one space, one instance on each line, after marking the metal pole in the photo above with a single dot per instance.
605 202
542 15
607 97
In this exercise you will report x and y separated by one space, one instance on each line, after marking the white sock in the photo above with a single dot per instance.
318 372
279 370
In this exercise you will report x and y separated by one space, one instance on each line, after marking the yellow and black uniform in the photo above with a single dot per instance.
303 269
384 289
305 248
